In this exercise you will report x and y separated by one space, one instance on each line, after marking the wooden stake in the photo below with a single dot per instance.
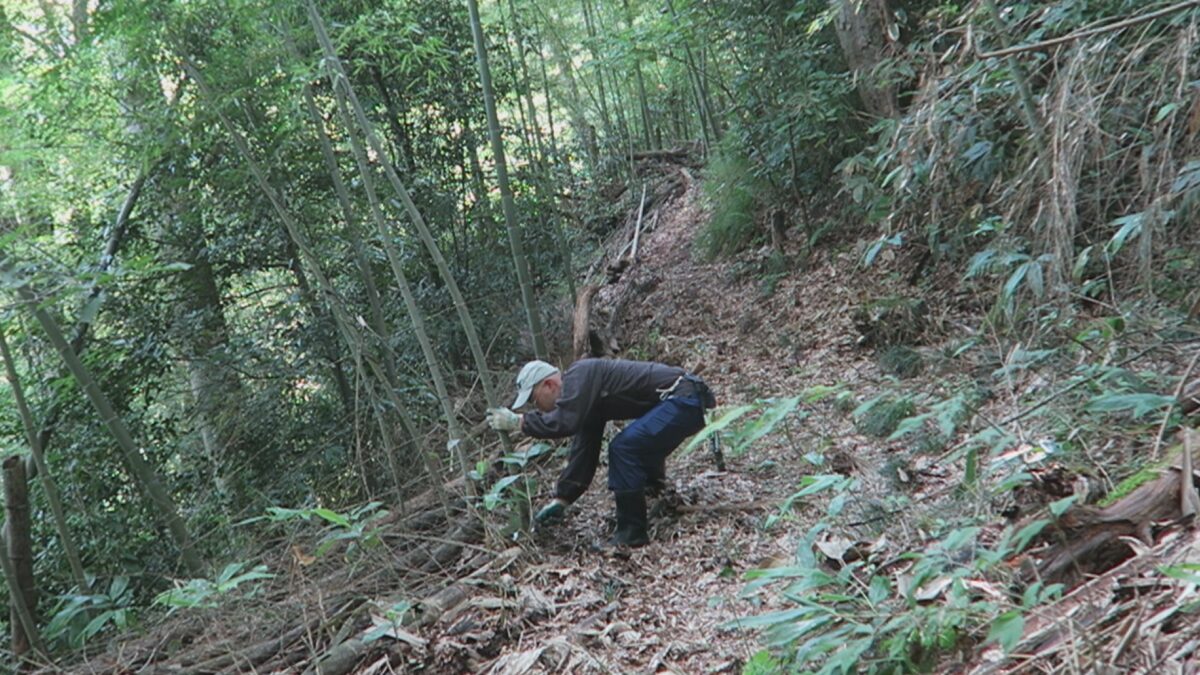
1189 502
637 228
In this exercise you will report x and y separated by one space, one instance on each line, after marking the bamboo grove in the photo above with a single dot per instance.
257 254
211 208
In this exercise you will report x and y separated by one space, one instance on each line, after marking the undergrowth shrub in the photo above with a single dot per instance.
901 361
730 189
1050 205
879 416
865 613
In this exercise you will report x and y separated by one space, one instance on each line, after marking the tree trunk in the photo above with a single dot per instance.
301 242
400 136
545 193
862 30
602 98
19 552
21 619
322 327
521 262
583 130
145 475
707 126
53 497
215 388
368 130
643 106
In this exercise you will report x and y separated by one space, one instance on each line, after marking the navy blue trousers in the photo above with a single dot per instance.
640 451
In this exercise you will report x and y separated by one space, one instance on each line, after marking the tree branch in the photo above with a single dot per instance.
1083 34
37 42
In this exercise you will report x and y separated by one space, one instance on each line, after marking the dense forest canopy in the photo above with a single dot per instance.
283 255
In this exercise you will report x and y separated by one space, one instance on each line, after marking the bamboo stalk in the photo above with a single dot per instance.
53 496
414 214
145 475
306 251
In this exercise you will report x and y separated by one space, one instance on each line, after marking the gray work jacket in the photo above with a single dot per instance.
595 391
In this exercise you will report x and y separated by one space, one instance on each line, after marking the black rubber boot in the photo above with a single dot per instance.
656 480
655 487
631 519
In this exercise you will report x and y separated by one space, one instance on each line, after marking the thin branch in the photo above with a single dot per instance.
1162 428
1083 34
37 42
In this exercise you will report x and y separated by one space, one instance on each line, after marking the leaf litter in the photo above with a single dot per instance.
429 602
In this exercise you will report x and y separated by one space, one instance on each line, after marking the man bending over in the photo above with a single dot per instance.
666 403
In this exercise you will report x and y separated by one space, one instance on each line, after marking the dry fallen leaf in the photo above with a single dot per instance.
301 558
932 590
834 547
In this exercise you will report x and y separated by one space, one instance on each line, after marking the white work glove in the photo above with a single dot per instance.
552 511
503 419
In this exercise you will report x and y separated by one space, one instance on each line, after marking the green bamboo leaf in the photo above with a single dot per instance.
765 423
1007 630
333 517
726 419
1138 404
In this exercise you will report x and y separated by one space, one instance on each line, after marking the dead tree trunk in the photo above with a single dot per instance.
862 29
1090 540
20 553
582 345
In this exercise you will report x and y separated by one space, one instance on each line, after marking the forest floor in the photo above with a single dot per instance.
551 603
673 597
755 335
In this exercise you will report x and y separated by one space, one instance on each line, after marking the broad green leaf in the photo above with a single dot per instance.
1165 112
332 516
1028 532
1188 572
1138 404
1059 507
1007 630
765 423
494 496
96 625
879 590
959 538
1128 227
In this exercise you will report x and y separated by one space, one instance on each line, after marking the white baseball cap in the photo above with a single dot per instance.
529 377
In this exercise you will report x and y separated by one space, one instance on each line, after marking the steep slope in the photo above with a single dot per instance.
448 590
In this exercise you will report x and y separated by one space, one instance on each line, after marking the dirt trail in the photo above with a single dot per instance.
662 606
552 604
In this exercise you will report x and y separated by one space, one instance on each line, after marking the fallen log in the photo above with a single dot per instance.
344 656
1089 540
248 658
1055 627
443 554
